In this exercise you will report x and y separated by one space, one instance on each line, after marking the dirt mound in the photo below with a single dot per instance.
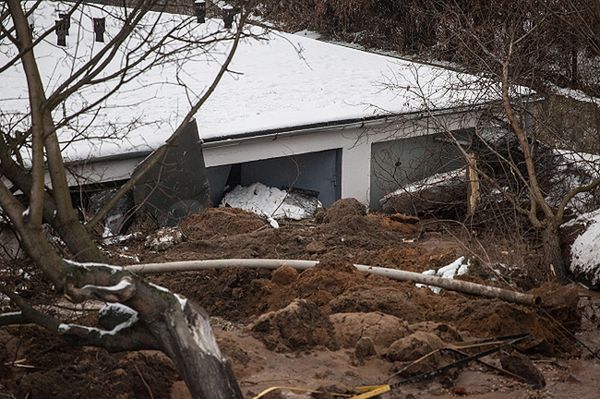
408 258
381 328
389 300
342 209
446 332
561 303
347 218
326 281
62 371
285 275
487 318
414 346
219 222
300 325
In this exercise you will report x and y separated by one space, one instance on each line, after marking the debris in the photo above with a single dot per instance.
382 329
414 346
454 269
164 238
364 349
441 192
300 325
521 365
500 343
271 202
117 217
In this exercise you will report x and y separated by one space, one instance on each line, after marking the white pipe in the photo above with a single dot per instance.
401 275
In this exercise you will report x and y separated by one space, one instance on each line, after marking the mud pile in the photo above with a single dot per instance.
331 306
220 222
54 369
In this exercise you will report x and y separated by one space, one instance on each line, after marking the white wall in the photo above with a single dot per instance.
355 142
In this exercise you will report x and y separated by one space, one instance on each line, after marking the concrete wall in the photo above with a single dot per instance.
399 162
354 142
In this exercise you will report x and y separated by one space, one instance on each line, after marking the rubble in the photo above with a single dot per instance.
163 239
380 328
300 325
271 202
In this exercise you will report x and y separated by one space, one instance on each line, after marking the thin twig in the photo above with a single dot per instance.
144 381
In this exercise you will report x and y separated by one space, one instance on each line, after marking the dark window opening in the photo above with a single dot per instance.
61 32
67 20
200 10
99 29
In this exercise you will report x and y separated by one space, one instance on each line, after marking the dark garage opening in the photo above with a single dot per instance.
318 172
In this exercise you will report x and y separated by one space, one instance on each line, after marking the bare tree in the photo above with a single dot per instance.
32 141
505 44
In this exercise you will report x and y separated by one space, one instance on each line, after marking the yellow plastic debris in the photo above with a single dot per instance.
366 391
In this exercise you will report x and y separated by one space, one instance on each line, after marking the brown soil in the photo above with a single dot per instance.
42 366
220 222
312 328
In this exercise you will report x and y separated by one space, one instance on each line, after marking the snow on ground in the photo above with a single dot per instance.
585 251
434 180
285 81
163 238
271 202
454 269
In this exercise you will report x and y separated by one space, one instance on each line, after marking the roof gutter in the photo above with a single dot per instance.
340 125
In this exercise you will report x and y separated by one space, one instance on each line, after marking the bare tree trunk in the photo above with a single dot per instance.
206 372
167 321
44 137
553 256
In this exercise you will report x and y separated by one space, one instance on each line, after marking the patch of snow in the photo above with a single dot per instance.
134 258
160 287
273 222
120 286
574 94
454 269
91 265
10 314
164 238
116 308
434 180
64 328
574 169
182 300
120 238
585 251
271 202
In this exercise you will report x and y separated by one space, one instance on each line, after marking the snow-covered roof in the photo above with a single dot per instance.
281 81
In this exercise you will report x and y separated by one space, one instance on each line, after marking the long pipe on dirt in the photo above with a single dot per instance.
401 275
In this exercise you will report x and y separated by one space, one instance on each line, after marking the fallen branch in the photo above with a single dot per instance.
401 275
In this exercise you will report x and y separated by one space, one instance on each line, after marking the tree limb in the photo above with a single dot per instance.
158 154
